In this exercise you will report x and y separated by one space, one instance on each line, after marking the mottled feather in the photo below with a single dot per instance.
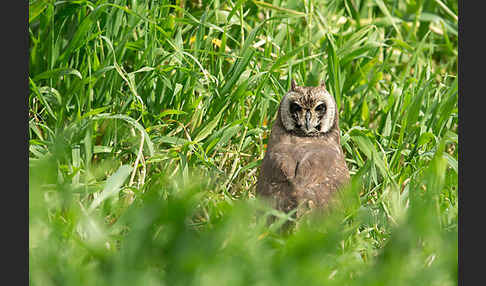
299 170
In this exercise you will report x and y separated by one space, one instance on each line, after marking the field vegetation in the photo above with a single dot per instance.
148 121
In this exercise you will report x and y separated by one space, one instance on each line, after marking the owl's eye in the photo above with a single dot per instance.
321 107
294 107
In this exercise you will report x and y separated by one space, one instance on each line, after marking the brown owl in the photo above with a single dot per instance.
304 163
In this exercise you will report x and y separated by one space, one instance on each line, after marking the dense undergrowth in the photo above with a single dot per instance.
148 121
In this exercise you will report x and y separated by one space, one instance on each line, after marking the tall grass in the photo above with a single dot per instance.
148 121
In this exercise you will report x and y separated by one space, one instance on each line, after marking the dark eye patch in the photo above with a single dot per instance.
294 107
321 108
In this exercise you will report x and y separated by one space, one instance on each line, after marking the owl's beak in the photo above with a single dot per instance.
307 120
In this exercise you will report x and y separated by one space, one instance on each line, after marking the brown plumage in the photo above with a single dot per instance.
304 164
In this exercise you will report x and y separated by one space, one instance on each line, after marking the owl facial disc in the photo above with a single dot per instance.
308 111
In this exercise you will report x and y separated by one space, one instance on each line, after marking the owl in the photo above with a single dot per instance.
304 163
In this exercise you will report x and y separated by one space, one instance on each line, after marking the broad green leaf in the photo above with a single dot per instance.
334 71
173 140
112 186
447 105
246 54
286 58
414 110
36 8
387 13
367 147
57 73
365 112
132 122
425 138
227 134
102 149
452 161
94 111
80 37
235 8
207 129
41 98
170 112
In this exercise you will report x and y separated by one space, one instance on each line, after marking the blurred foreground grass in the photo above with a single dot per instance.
148 121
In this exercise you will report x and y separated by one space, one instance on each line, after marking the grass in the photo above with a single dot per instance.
148 121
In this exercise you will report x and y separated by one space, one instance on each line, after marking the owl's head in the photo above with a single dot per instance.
308 110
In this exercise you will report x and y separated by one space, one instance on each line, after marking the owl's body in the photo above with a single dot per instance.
304 164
